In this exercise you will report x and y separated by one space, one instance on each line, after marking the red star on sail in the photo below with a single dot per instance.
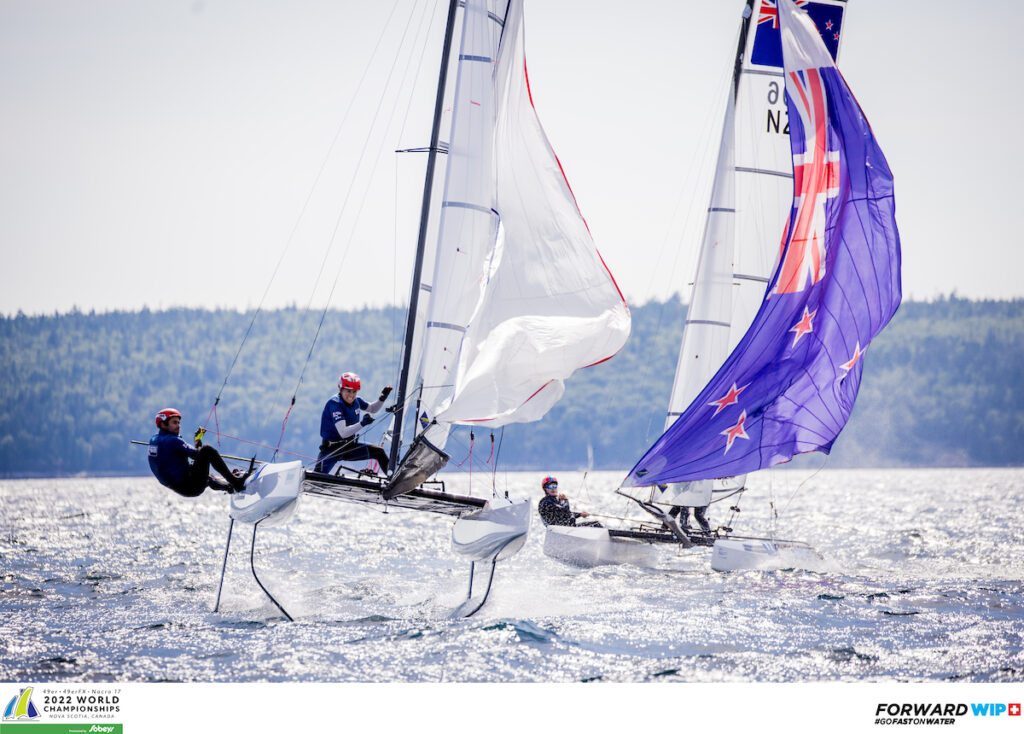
804 326
728 399
731 434
853 360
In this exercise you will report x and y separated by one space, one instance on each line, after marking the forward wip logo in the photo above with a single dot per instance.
21 707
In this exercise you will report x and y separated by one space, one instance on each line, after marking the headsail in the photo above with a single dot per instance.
542 303
789 385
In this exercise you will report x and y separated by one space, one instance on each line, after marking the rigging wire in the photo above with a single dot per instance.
824 461
344 208
704 160
433 15
291 237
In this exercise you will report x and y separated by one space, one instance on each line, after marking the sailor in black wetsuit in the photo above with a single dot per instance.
683 513
169 456
554 507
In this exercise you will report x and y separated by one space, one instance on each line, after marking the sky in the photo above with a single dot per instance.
227 153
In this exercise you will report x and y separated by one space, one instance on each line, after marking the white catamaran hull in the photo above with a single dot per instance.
270 496
493 533
758 554
588 547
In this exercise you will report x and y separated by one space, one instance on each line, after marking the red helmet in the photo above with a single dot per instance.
548 481
349 380
165 414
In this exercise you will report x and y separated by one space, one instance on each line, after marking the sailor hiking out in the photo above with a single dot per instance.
169 456
341 421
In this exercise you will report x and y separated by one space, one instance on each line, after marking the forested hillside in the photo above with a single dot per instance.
941 388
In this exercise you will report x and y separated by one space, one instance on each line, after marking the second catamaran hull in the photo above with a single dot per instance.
760 554
589 547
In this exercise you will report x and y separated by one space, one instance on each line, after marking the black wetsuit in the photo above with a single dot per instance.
699 514
554 511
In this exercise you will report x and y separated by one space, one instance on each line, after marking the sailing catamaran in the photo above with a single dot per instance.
518 297
770 362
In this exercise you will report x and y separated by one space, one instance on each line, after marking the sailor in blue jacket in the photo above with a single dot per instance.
341 421
169 456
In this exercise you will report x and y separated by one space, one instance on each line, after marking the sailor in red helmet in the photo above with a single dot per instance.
169 456
554 507
341 421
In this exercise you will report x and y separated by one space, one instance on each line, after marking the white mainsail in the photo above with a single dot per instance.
521 298
469 222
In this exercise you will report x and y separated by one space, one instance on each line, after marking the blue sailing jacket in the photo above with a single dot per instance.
334 411
168 458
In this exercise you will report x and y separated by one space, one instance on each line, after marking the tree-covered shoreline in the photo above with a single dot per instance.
941 388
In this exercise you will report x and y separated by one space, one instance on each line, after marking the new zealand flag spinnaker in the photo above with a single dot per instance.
790 384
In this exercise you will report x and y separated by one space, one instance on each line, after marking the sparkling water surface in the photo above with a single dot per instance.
115 580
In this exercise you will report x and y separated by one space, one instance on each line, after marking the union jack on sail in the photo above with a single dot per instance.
815 179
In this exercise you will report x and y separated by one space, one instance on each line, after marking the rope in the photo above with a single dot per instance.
291 237
817 471
491 455
283 424
470 455
260 445
344 208
494 466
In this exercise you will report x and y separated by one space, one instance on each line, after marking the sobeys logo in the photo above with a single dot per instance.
21 707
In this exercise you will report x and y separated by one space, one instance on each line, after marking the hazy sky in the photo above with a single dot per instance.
163 153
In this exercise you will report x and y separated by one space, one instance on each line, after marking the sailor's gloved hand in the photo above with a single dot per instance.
384 393
366 420
200 432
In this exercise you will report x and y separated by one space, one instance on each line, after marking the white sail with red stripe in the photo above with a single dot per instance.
520 295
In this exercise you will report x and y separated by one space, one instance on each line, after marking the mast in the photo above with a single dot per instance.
748 12
414 296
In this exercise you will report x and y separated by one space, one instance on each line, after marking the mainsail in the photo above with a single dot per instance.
789 385
519 296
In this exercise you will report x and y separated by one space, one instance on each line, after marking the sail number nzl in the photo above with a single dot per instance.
778 119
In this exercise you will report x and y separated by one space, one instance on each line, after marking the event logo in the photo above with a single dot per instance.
21 707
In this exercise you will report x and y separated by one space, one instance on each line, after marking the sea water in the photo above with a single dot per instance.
115 580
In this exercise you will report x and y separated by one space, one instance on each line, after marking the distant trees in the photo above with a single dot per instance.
942 387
